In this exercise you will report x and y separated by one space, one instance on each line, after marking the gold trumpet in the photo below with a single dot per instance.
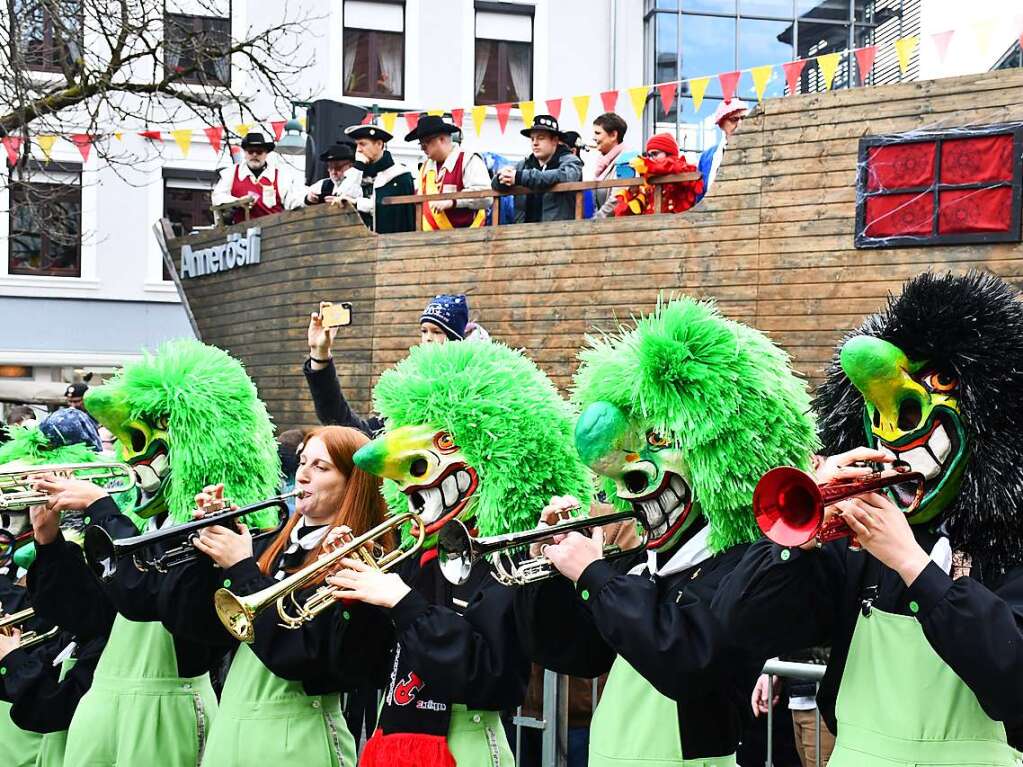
238 613
28 638
17 493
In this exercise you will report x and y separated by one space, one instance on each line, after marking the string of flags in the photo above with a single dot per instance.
695 87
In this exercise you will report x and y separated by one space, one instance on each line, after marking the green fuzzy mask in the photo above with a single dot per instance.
474 431
188 417
688 410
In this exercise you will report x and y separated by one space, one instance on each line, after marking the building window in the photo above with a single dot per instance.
48 34
952 187
504 57
195 46
186 203
45 228
374 49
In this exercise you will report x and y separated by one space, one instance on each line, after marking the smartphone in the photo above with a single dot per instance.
336 315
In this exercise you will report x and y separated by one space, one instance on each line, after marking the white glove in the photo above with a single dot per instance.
364 205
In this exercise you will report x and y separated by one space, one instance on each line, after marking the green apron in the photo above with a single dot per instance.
900 705
18 747
264 719
138 711
51 749
635 724
477 739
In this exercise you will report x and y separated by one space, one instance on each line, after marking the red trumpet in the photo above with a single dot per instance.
788 504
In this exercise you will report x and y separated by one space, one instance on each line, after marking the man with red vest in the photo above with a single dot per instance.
270 188
449 169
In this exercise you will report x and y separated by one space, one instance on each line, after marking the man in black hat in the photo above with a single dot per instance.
375 176
74 395
339 159
270 189
449 169
550 163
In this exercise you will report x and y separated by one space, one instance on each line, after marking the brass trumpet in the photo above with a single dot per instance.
788 504
458 550
17 493
161 550
238 613
28 638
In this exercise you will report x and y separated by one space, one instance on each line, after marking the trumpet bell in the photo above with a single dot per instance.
788 506
453 546
237 616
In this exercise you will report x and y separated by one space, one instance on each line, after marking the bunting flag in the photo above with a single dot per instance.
302 121
728 82
479 114
367 118
554 108
84 143
46 144
528 109
118 135
941 41
582 106
609 99
982 31
387 119
436 113
214 134
457 116
152 135
411 120
865 61
13 146
904 47
503 110
793 71
667 93
278 128
638 96
761 76
828 63
241 129
183 138
697 88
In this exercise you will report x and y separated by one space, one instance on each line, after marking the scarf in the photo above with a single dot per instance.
607 160
304 538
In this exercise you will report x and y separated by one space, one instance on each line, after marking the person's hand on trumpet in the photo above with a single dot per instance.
362 583
558 509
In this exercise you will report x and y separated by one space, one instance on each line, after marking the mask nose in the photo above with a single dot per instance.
880 371
598 430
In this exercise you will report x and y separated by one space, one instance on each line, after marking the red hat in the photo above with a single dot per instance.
663 142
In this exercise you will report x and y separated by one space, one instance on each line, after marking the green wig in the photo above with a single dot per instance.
27 444
719 390
504 414
219 429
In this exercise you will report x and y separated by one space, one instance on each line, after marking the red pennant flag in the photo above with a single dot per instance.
214 135
554 108
278 128
865 61
610 100
13 146
728 82
503 110
941 41
152 135
367 119
667 92
412 120
457 115
84 143
793 70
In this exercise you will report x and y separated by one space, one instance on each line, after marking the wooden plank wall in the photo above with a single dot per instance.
773 243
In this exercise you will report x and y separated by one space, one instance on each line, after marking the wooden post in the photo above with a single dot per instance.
419 217
579 205
495 218
657 199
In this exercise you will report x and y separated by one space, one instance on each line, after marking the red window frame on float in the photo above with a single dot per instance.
940 187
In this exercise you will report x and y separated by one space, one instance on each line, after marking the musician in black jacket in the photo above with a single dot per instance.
339 158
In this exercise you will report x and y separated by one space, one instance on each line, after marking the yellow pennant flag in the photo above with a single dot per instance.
46 144
118 135
183 138
301 121
697 87
982 30
479 114
828 63
761 76
904 47
582 106
242 128
528 109
435 113
388 118
638 97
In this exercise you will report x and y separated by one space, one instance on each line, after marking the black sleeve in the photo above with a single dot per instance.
978 633
558 631
780 600
475 658
331 407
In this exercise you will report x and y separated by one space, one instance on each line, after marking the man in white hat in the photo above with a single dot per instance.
727 117
375 176
262 186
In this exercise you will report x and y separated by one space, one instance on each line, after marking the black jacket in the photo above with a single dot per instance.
779 600
332 409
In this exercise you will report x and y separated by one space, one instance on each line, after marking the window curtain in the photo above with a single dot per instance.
351 46
519 65
389 50
483 48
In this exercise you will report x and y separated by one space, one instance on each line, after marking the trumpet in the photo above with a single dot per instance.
17 493
458 550
788 504
28 638
161 550
238 613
